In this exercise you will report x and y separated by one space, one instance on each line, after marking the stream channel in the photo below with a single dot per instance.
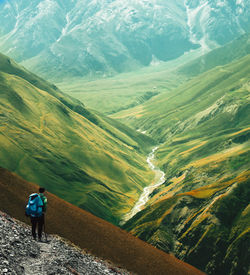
158 180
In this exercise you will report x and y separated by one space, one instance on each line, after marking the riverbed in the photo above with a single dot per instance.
143 199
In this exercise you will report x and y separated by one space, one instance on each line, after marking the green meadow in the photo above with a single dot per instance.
124 91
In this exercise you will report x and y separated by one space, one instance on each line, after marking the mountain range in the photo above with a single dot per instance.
132 76
61 39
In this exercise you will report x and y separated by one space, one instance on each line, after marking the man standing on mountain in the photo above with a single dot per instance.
36 209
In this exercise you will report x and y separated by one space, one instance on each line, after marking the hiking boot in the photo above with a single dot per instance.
40 240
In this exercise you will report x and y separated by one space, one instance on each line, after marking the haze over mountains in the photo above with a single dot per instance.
59 39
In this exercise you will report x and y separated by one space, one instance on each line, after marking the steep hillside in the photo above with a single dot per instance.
99 38
53 140
201 212
236 49
203 102
97 236
207 227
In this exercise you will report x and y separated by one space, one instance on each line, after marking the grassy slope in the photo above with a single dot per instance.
53 140
204 127
184 71
9 66
220 56
193 104
207 227
128 89
97 236
120 92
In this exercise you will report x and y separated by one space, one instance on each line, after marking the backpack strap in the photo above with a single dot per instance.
44 199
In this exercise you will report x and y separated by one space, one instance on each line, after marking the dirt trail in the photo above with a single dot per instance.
33 265
21 255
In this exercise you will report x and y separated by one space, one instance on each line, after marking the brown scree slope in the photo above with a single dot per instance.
93 234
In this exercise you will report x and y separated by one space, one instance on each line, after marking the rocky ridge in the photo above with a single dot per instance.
20 254
78 38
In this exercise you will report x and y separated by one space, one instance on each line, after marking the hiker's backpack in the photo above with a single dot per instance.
34 207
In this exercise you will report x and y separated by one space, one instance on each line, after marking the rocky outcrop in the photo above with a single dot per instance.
20 254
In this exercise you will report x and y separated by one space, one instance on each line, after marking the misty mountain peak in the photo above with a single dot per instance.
106 37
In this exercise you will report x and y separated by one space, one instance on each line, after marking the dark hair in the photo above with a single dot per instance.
41 190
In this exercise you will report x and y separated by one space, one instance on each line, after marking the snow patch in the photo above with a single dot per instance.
46 7
65 28
7 6
240 2
240 6
198 16
221 4
155 61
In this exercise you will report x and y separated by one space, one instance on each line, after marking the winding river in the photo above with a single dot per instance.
159 180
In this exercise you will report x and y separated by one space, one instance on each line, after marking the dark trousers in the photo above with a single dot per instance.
37 221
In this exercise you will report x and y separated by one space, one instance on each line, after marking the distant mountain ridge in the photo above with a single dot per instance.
78 38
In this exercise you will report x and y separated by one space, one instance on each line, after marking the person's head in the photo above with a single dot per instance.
41 190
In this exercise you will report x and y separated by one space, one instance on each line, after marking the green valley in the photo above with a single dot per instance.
195 109
127 90
146 124
51 139
198 111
